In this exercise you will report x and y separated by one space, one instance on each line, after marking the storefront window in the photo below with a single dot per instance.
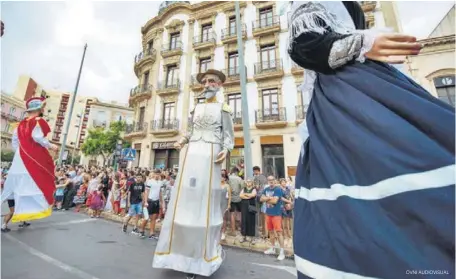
160 159
237 154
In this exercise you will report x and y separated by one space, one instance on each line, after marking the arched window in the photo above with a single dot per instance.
445 88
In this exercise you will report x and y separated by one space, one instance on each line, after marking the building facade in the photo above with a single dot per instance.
185 39
13 111
100 115
434 67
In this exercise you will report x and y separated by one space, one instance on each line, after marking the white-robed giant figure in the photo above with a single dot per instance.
190 234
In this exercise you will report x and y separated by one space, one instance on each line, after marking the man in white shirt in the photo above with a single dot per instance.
152 205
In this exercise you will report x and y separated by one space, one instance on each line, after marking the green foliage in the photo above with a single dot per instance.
7 156
102 141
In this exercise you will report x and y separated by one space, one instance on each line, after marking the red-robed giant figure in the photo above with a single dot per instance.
30 180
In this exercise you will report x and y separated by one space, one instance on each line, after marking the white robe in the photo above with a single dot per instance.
30 202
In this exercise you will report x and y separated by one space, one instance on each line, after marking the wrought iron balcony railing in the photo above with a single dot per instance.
266 22
164 124
209 37
268 66
237 118
143 88
175 45
271 115
136 127
301 112
232 31
145 54
232 73
164 85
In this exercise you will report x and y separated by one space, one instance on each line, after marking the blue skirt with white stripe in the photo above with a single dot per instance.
375 179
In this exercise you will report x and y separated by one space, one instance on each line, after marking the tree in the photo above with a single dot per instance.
7 156
101 142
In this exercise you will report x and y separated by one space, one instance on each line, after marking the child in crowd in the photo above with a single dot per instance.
80 197
98 202
123 201
59 193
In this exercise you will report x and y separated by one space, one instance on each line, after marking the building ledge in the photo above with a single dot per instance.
238 127
271 124
167 91
164 133
268 75
170 53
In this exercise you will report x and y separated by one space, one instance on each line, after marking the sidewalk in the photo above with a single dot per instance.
231 241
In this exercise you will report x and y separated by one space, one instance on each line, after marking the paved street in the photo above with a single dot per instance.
70 245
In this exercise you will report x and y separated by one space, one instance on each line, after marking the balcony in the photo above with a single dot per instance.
135 130
140 93
296 69
169 49
301 112
62 108
60 115
166 88
268 70
229 35
194 84
266 26
204 40
237 120
271 118
99 124
143 58
232 76
163 128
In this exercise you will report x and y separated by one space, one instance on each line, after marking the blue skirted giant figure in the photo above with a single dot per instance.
375 180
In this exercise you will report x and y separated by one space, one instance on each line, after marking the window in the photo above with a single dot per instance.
233 64
206 33
232 26
168 111
234 101
150 46
200 100
173 41
268 57
172 76
266 17
270 102
145 80
273 160
204 64
142 111
445 89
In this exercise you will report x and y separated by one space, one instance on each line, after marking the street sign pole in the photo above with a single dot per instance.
67 128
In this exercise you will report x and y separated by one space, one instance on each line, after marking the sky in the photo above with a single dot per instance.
45 40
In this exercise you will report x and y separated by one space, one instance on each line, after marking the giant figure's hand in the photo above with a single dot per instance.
393 48
221 156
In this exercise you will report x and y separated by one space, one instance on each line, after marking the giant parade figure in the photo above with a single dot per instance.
375 179
30 182
190 234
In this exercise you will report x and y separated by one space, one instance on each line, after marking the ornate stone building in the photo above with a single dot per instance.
185 39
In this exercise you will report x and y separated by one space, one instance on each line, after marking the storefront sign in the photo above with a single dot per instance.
291 171
163 145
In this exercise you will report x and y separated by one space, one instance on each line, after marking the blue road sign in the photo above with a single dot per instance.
129 154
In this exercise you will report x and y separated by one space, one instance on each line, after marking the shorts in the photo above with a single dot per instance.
235 206
153 207
59 198
135 209
11 203
274 223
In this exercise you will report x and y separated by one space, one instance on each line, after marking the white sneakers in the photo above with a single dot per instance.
272 251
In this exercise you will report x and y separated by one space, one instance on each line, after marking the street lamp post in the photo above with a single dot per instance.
67 128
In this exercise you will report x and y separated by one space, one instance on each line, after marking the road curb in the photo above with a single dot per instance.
288 252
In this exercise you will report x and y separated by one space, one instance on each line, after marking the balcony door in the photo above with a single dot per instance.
173 41
206 32
270 98
168 114
266 17
232 26
268 57
145 81
204 64
142 111
172 76
233 64
234 101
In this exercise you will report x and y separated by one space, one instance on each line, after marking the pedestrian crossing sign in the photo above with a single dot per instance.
129 154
